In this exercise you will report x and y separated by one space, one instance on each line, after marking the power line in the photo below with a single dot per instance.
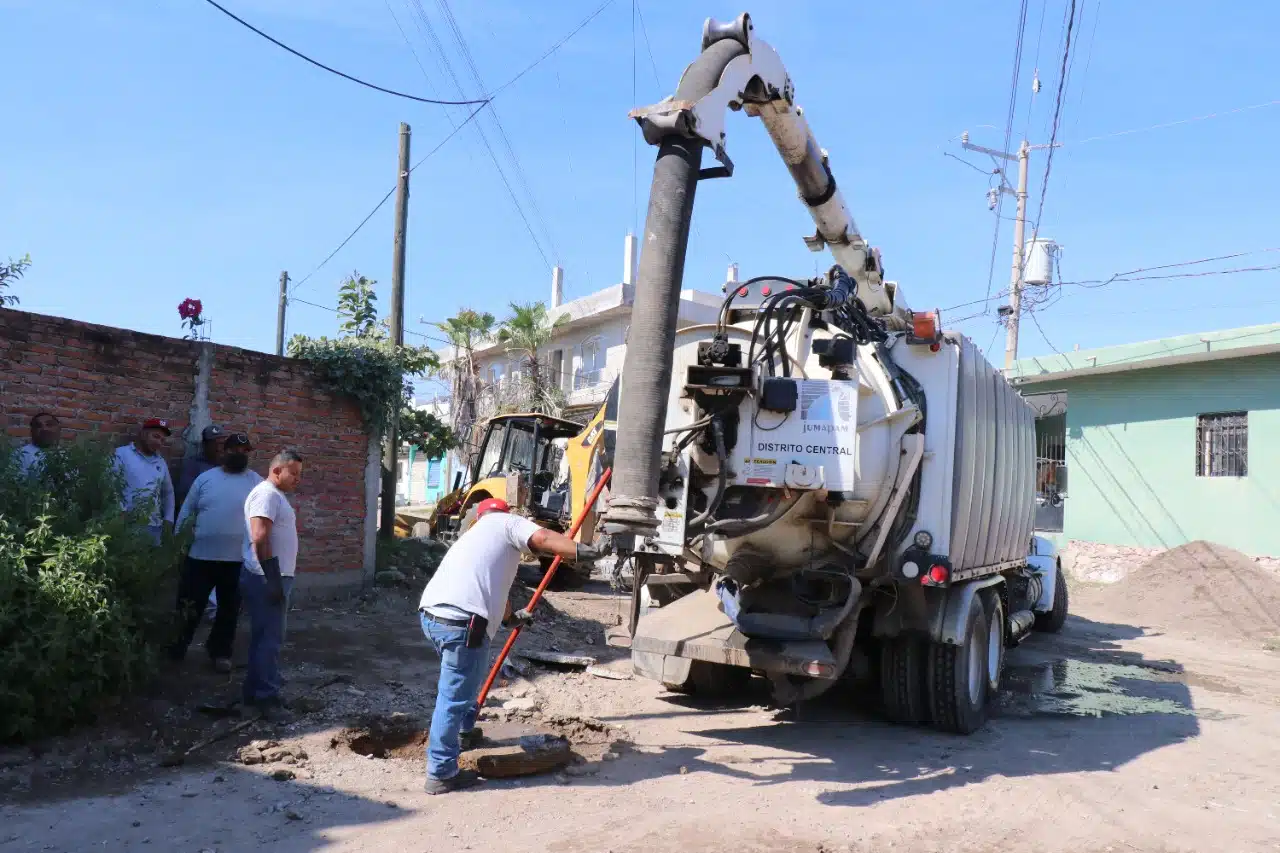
332 70
1008 136
644 31
1057 120
553 48
1131 275
467 57
390 193
484 139
1166 124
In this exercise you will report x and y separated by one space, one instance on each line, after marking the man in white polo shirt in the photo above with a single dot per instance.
146 475
460 611
270 561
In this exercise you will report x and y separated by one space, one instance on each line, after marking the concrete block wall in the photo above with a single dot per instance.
103 381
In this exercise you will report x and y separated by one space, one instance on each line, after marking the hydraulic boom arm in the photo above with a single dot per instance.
757 82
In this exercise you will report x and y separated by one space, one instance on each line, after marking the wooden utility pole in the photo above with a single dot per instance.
284 300
391 442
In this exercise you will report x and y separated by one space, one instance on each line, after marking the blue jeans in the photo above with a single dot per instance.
462 672
266 635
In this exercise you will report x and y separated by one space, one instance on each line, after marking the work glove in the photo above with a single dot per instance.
275 587
590 553
522 618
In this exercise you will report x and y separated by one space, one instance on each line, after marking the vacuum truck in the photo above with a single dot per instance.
823 485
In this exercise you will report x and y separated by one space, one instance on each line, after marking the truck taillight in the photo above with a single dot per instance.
936 576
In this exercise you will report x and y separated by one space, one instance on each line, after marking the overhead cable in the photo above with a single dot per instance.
332 70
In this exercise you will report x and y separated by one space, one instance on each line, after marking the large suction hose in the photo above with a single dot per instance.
646 375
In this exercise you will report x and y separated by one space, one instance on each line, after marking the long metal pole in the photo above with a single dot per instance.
391 442
1015 279
284 300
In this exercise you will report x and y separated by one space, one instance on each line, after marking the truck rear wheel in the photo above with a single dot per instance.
904 679
1052 621
958 681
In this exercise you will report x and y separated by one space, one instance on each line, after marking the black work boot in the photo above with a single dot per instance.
460 780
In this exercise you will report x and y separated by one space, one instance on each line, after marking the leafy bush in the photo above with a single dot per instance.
83 598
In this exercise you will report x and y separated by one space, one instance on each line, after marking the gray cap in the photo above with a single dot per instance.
211 433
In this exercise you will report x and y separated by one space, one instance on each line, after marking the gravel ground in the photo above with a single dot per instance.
1106 737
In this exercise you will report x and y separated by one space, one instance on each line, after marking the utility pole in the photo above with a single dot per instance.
1015 277
391 442
1023 156
284 300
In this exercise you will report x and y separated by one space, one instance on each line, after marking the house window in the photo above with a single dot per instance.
589 374
557 369
1222 445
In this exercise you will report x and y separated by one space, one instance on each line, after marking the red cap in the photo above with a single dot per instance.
157 423
492 505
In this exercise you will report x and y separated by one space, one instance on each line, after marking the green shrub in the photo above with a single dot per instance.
83 591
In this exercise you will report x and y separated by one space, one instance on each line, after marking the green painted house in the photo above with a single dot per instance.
1160 443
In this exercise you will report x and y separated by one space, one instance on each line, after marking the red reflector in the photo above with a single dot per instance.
939 574
766 290
791 287
742 291
934 347
818 669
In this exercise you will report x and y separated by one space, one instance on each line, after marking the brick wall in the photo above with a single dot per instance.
104 381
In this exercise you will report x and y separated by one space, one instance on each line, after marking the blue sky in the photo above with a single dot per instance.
156 150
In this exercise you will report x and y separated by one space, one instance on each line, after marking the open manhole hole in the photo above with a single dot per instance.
390 736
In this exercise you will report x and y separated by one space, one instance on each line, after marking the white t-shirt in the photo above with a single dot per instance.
476 574
217 501
146 478
266 501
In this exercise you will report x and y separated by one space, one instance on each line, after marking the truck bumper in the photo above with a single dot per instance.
693 628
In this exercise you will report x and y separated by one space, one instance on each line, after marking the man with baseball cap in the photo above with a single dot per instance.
146 475
460 610
216 504
193 466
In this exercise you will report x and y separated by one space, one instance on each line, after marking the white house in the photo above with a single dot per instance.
588 350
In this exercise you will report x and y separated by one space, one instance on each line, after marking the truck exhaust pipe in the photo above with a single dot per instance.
646 375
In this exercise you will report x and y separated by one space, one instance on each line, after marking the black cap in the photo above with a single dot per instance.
237 440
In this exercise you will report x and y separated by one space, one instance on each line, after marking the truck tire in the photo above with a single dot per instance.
995 638
904 686
1052 621
712 680
958 689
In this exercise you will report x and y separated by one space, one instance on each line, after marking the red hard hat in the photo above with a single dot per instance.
491 505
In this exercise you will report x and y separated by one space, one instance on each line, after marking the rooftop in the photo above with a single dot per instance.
1184 349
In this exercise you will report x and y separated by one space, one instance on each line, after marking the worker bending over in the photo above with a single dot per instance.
460 611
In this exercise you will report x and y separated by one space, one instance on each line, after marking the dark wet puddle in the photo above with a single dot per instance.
1081 688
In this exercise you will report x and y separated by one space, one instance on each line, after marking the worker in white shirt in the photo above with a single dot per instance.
460 610
216 503
46 434
146 475
270 561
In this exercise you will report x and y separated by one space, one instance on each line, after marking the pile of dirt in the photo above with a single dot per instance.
1201 589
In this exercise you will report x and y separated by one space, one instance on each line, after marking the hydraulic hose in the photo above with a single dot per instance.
722 478
646 375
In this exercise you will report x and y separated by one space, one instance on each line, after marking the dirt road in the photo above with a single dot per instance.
1107 738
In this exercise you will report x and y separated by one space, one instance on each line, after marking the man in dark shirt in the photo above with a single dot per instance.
193 466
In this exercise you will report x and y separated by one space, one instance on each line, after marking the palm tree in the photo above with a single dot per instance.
526 331
464 331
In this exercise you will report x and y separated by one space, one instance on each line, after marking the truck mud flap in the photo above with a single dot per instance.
693 628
